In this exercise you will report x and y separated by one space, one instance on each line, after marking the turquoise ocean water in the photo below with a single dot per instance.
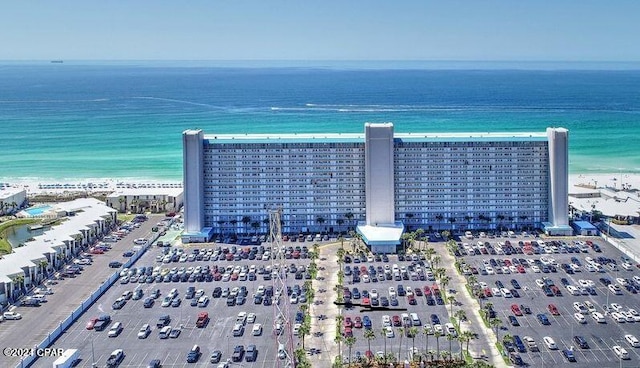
90 120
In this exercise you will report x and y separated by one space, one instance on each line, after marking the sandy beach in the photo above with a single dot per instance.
617 181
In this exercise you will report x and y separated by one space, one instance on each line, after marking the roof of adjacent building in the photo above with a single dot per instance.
381 234
173 192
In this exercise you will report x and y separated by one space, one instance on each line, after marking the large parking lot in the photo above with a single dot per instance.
543 281
204 268
408 288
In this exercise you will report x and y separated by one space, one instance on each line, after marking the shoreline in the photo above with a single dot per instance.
33 186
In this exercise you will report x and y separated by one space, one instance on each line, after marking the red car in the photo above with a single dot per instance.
507 262
427 291
366 301
396 321
357 323
521 269
368 354
553 309
96 251
487 292
412 300
516 309
348 332
91 322
347 322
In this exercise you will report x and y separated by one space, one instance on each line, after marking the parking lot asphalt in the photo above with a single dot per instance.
396 343
37 323
172 352
601 337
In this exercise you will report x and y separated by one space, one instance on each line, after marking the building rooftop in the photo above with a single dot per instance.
174 192
359 137
384 234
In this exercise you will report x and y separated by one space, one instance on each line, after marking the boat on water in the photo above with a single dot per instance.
57 61
35 227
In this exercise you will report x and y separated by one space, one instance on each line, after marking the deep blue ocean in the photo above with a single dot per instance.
76 120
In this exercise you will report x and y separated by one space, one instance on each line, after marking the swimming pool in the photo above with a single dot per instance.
37 211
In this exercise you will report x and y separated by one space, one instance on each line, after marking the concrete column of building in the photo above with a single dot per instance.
558 176
193 156
379 174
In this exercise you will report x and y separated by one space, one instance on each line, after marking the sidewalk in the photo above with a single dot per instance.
486 336
323 305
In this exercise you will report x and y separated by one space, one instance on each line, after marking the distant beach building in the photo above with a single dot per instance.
379 183
11 199
137 200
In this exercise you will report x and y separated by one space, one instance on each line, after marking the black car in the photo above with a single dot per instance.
115 264
569 355
515 293
163 321
516 359
515 284
155 363
148 302
217 292
513 321
581 342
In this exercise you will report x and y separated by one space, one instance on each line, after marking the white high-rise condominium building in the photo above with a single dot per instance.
378 183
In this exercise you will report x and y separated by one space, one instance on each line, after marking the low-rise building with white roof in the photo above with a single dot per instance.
153 199
11 198
86 221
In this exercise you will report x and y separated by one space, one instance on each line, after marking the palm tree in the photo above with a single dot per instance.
369 335
495 323
350 341
425 331
437 335
266 223
255 225
245 221
450 338
340 222
468 219
444 281
460 316
233 223
320 220
436 261
304 330
439 218
499 219
430 252
384 337
401 332
349 216
412 332
419 234
452 220
451 299
338 340
466 337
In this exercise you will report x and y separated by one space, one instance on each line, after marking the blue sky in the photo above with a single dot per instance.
558 30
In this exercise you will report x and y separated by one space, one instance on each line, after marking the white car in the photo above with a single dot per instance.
573 290
598 317
256 330
11 315
590 306
251 317
539 282
579 307
621 281
615 289
535 269
145 330
373 294
632 340
388 331
115 329
550 343
620 352
616 307
618 317
580 318
392 291
386 321
634 313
